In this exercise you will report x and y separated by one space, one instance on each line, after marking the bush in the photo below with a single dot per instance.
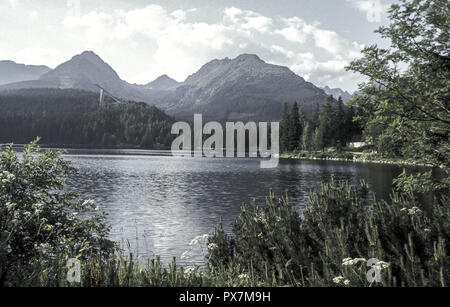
338 233
327 244
39 219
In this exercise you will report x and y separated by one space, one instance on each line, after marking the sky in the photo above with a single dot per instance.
143 39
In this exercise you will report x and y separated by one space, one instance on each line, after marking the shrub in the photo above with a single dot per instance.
341 229
39 219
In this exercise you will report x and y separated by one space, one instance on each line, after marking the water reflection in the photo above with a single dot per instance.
159 203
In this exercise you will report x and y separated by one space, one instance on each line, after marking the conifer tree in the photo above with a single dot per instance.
294 128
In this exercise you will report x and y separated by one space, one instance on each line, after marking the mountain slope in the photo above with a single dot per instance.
336 92
86 70
162 83
13 72
244 88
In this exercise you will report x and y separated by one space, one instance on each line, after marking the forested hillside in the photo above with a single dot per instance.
75 117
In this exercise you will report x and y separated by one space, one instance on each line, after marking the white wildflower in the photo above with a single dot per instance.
212 246
350 261
382 265
199 239
338 279
347 261
87 203
185 255
414 211
243 276
357 260
346 282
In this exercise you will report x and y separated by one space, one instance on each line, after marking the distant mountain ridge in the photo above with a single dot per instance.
337 92
11 71
83 71
163 82
244 88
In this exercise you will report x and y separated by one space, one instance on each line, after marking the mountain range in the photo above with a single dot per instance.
243 88
336 92
12 72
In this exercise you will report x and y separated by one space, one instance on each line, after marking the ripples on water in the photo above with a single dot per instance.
159 203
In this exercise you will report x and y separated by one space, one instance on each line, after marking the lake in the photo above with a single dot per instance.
158 203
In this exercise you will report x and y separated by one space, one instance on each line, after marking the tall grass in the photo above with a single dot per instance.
273 245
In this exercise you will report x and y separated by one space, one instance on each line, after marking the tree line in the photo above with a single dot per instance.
74 117
331 124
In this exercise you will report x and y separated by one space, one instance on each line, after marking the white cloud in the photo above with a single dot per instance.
295 30
29 55
146 42
373 9
13 3
246 20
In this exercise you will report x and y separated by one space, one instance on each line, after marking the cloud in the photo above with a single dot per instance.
295 30
28 55
169 42
246 20
13 3
373 9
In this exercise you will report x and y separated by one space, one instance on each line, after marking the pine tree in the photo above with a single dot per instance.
294 128
326 123
340 127
302 122
284 129
307 136
319 138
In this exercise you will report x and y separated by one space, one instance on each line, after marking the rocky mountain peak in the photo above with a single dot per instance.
163 82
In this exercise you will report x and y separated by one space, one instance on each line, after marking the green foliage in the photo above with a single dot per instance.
405 102
341 229
329 125
39 219
74 117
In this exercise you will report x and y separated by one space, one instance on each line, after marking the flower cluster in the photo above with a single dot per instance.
199 239
189 270
350 261
212 246
381 265
341 280
243 276
412 211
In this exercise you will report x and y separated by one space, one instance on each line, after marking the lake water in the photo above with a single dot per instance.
159 203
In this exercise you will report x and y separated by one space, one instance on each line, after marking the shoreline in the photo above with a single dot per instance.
351 157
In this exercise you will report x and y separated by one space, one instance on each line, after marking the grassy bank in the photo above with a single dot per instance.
348 154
